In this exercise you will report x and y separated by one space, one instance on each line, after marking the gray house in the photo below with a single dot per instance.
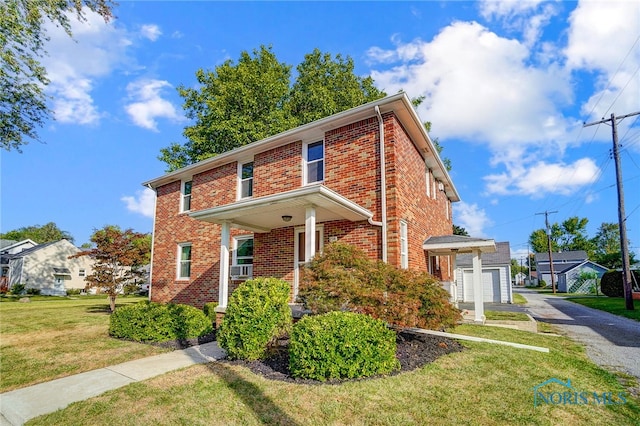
496 276
568 268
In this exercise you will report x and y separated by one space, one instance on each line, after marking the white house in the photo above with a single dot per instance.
47 267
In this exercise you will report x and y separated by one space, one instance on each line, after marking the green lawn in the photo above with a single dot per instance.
52 337
483 385
614 305
519 299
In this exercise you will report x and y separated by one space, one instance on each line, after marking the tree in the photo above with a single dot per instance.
243 102
436 142
22 77
570 235
326 86
39 234
607 246
119 256
459 230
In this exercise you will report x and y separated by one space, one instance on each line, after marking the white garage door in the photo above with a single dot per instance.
490 286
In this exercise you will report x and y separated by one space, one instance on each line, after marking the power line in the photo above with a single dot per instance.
622 218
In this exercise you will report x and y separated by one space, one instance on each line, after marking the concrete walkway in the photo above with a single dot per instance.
21 405
611 341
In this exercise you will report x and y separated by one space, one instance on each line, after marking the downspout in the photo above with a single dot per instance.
153 236
383 188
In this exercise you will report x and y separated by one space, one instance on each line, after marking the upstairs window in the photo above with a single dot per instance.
246 180
81 273
314 154
185 205
184 261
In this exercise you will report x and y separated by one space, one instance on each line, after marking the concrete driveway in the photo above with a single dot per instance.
611 341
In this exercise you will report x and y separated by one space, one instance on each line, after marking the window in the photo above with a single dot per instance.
81 273
314 156
428 180
184 261
246 180
186 196
243 253
242 264
404 245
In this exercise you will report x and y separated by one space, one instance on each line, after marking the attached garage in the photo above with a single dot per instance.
496 276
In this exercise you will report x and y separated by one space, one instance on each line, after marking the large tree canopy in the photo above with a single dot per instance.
39 234
239 103
23 105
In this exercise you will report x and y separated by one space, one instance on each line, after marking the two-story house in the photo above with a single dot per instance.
369 176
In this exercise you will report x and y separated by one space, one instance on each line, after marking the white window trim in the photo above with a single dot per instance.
234 259
428 181
183 196
239 189
404 245
305 163
179 262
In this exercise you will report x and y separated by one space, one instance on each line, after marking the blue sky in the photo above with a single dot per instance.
507 86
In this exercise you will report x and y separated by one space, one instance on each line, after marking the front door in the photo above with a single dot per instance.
300 255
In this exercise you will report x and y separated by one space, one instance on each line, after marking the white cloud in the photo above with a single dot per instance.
603 38
472 218
150 31
527 17
73 65
147 103
542 178
143 202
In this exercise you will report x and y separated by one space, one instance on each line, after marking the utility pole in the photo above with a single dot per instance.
553 274
622 219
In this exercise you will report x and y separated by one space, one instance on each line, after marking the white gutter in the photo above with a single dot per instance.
153 236
383 188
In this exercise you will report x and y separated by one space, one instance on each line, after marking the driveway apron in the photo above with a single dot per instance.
611 341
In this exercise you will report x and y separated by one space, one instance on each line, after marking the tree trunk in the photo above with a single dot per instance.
112 302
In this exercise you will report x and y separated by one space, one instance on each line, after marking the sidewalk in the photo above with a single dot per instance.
20 405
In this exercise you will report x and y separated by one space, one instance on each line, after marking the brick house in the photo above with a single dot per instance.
266 208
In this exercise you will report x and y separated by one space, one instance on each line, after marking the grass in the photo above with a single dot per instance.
506 316
614 305
483 385
52 337
519 299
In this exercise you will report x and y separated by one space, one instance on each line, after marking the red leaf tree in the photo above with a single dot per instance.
119 257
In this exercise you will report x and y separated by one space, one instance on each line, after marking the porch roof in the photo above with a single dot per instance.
266 213
453 244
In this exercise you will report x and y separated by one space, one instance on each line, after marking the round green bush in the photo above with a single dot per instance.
258 314
611 283
339 345
155 322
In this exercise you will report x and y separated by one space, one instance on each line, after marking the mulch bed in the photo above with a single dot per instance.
413 351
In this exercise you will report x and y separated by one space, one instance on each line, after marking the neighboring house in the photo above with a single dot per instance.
47 267
520 279
496 276
9 247
568 267
267 208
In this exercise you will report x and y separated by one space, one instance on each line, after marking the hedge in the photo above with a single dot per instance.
257 314
154 322
339 345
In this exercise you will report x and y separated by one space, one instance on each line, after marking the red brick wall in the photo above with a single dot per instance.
277 170
351 169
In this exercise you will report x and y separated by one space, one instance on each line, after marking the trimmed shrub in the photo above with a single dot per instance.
611 283
344 279
17 289
341 345
209 310
33 291
74 291
154 322
258 314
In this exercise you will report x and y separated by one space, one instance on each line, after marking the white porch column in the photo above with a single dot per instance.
477 288
454 276
309 234
223 287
